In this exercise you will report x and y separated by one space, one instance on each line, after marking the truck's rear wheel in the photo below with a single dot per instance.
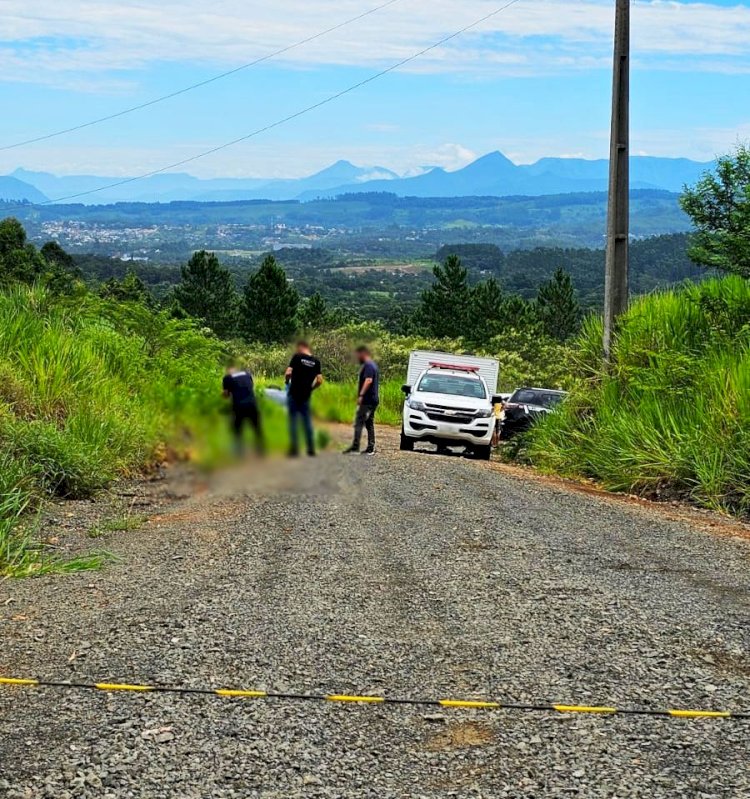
407 444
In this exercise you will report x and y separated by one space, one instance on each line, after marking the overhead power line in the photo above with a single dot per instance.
290 117
206 82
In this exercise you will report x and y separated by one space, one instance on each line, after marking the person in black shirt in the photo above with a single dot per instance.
368 399
238 385
303 376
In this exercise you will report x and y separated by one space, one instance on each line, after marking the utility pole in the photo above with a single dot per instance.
616 266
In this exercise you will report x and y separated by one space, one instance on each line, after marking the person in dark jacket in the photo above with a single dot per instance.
368 399
303 376
238 386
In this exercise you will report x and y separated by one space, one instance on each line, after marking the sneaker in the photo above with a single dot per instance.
292 453
368 451
350 450
311 453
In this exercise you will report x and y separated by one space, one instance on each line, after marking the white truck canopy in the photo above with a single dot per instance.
419 360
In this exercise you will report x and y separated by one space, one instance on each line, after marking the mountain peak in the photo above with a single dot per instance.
493 160
342 168
494 157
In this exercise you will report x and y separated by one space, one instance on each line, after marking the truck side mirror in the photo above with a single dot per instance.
406 390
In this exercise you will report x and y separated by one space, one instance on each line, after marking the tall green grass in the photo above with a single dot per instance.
89 390
671 417
337 402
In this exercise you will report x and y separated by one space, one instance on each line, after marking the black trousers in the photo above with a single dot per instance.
247 414
365 419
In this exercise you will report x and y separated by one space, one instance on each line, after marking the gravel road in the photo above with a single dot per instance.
411 575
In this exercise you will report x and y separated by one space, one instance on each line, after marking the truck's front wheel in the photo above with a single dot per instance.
483 452
407 444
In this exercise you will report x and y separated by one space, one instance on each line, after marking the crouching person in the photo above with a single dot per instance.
238 386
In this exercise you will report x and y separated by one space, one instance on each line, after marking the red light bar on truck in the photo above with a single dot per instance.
455 366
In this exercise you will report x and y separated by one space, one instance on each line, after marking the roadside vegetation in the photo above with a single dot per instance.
670 416
93 386
89 390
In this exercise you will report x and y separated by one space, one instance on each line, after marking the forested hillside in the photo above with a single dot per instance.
389 291
655 262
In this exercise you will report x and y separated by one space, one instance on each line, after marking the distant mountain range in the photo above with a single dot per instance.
491 175
11 188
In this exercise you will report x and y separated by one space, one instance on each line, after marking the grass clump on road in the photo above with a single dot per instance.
671 417
118 524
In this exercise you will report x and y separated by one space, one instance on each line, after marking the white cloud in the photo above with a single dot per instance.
449 155
56 42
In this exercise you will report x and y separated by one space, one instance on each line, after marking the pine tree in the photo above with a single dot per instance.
206 291
485 319
558 307
444 308
314 313
268 311
516 313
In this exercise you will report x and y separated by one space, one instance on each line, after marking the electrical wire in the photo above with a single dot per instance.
206 82
290 117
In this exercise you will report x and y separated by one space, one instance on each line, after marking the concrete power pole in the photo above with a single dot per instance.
616 268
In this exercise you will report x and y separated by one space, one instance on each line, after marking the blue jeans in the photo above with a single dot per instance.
300 409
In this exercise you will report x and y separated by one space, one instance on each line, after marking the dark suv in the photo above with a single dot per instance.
524 406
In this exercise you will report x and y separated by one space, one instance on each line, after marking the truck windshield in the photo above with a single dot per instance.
454 385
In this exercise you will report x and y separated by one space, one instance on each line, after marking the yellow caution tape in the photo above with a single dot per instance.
13 681
583 709
116 686
347 698
467 704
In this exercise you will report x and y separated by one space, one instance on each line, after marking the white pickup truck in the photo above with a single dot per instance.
450 401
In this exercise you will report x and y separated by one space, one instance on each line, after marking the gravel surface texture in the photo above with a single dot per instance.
405 574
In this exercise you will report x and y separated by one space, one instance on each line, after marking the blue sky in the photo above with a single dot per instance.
533 81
